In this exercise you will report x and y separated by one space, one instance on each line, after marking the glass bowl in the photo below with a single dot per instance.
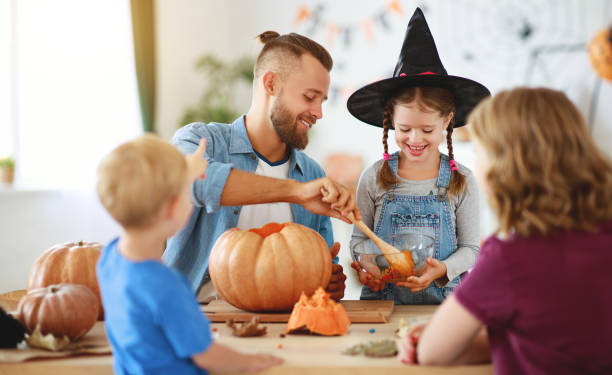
415 248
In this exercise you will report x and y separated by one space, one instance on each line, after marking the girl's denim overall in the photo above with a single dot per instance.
426 214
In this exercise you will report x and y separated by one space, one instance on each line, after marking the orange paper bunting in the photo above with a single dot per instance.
303 14
395 6
366 27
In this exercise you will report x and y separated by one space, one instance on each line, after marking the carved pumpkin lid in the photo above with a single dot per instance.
318 314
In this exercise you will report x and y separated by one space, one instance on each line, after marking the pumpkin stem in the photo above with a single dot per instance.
53 289
80 243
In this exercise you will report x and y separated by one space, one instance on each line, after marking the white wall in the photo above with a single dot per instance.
32 221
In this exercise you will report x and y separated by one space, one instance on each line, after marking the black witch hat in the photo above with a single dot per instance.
418 65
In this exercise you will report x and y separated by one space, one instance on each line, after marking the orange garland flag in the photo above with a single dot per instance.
303 14
366 27
395 6
332 32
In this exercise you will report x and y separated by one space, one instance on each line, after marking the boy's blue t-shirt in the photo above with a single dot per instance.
153 320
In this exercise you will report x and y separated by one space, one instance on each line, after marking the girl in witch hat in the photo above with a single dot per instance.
419 189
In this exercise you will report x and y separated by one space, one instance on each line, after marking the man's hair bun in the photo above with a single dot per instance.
267 36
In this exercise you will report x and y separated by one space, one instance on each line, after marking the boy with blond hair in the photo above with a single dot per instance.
153 321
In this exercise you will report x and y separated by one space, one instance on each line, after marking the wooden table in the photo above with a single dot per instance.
303 354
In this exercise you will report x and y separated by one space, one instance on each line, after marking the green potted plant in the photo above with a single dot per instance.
218 99
7 169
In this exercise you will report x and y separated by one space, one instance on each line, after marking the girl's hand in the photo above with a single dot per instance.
368 279
431 270
407 346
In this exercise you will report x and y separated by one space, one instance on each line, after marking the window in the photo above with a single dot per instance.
6 118
74 93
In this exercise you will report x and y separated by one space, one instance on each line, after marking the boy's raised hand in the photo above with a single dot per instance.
196 163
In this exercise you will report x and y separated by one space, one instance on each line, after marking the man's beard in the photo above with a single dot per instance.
286 125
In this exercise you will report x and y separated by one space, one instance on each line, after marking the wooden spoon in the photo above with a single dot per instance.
390 252
384 247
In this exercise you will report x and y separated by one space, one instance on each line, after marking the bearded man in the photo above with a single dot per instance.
257 172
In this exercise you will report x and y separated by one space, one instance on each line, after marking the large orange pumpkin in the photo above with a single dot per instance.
318 314
600 53
267 269
61 310
72 263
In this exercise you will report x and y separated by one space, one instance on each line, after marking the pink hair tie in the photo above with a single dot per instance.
453 165
385 156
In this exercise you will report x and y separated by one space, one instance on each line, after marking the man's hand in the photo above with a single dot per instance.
336 284
196 164
432 270
324 196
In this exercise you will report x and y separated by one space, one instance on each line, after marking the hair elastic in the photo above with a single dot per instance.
385 156
453 165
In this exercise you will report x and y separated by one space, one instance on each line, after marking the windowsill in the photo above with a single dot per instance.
18 188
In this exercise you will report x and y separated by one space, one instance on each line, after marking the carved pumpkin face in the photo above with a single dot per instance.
267 269
318 314
600 53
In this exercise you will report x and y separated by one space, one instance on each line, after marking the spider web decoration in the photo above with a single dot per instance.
499 38
531 42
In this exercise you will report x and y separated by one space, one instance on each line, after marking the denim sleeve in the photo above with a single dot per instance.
205 193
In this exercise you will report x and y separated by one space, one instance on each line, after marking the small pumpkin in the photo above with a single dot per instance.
65 311
318 314
268 268
600 53
72 263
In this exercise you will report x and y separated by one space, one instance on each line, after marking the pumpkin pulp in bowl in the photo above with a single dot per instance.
416 248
